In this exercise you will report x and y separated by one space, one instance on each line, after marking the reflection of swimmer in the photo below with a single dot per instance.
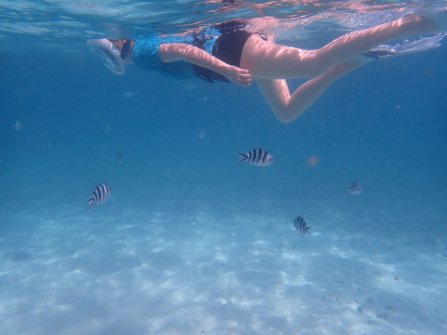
230 52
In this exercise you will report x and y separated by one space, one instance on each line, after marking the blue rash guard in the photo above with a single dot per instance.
145 53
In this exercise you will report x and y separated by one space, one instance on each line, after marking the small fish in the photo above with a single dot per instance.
354 187
18 126
201 134
119 158
301 226
128 94
258 157
100 194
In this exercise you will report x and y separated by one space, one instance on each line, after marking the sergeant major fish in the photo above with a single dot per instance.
258 157
354 188
100 194
301 225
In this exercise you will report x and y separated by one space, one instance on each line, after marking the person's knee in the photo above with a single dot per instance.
284 118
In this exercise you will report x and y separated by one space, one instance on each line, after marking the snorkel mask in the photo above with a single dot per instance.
111 56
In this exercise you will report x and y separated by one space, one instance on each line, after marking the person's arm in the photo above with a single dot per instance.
171 52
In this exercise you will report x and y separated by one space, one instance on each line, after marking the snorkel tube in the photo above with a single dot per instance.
109 54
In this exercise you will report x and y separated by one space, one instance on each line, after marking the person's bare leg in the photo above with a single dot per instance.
288 107
273 61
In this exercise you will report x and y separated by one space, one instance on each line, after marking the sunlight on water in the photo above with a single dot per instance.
64 23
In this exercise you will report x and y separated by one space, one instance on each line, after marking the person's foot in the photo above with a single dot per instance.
436 15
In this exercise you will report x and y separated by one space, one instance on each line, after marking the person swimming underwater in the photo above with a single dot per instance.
231 52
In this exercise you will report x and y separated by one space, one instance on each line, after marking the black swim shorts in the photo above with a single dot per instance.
227 47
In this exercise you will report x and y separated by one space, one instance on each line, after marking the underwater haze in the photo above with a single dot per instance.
191 241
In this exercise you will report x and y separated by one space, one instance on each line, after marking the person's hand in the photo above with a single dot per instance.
239 76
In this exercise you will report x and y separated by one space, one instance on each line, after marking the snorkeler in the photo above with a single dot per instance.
231 52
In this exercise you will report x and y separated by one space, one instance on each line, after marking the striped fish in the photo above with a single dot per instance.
100 194
301 226
258 157
354 187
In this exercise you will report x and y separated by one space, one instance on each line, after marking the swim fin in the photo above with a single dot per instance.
406 47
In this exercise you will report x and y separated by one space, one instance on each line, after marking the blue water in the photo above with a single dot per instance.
191 242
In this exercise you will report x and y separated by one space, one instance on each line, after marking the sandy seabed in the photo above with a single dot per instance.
147 271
